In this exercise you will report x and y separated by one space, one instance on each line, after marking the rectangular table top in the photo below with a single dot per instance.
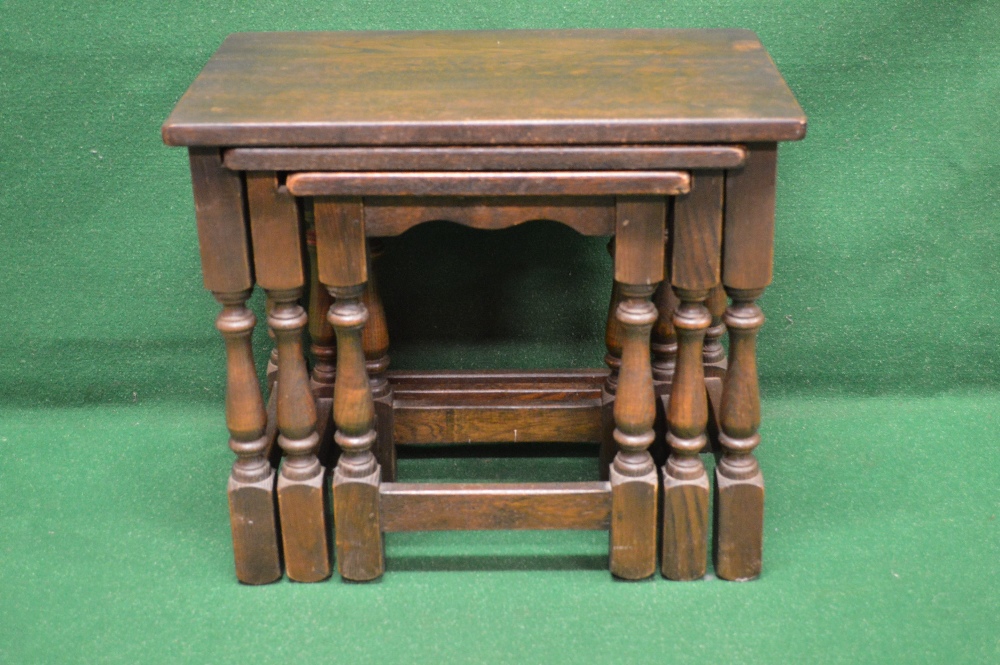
485 88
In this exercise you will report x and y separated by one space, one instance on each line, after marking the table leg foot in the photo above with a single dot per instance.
303 528
633 525
255 530
739 526
685 526
360 552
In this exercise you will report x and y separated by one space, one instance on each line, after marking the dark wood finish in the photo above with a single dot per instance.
746 270
638 269
491 129
450 507
356 479
301 496
274 223
375 344
323 341
497 383
663 339
271 371
695 248
713 352
484 88
613 332
749 225
739 502
487 183
435 423
278 258
613 339
493 158
390 216
251 481
223 238
697 234
634 484
497 407
639 228
340 239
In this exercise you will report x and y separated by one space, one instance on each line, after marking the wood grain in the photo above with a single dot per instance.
497 407
487 183
390 216
300 483
304 533
633 525
493 158
449 507
223 237
358 533
340 241
279 260
739 527
433 424
545 87
255 530
323 344
251 480
749 220
633 475
685 483
357 476
639 227
685 527
739 483
696 234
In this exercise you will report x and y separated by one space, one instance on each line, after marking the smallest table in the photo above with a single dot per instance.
305 146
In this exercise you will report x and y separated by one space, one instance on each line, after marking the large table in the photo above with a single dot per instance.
306 147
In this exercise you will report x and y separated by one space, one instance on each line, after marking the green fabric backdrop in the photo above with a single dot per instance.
878 364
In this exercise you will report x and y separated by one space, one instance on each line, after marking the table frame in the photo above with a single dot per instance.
701 216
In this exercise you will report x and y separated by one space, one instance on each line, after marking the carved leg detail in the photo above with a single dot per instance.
375 343
714 353
251 482
685 483
356 479
613 334
664 339
300 483
633 475
271 373
739 500
323 341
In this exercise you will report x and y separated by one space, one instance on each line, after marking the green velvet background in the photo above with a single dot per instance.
880 374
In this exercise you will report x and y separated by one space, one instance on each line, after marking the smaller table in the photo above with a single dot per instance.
305 146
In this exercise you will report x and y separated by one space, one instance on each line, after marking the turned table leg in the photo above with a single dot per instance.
664 338
714 353
613 338
696 247
375 344
739 483
343 268
714 357
301 500
251 482
278 260
323 341
634 486
746 270
227 269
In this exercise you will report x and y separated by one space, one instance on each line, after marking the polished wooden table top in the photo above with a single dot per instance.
485 88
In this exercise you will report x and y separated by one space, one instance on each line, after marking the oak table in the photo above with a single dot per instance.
306 146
